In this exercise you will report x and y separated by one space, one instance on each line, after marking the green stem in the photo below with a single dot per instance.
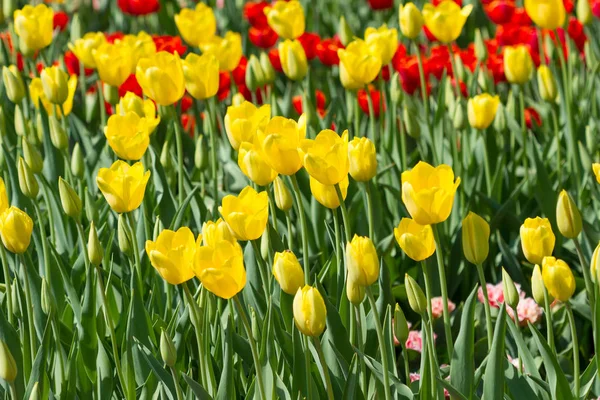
425 98
7 279
486 304
558 152
372 128
210 105
486 166
524 159
355 309
307 369
345 217
176 382
13 390
261 268
589 286
29 305
136 252
273 210
300 205
381 340
370 209
575 348
406 366
179 144
196 323
444 289
102 107
321 355
253 348
433 365
288 221
549 327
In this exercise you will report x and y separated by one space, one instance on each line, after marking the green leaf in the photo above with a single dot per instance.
454 392
226 385
352 389
156 367
462 366
493 381
198 390
402 390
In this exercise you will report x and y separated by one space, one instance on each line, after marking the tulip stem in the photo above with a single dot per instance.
44 241
444 290
428 291
345 216
524 159
29 305
253 348
486 305
558 156
372 128
327 378
406 366
575 348
486 165
211 108
7 280
261 269
273 210
288 221
380 338
433 364
300 205
355 309
136 252
102 107
13 390
426 100
175 376
196 323
549 328
370 209
589 286
179 144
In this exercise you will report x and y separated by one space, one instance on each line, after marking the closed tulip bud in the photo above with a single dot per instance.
201 153
201 75
416 297
482 110
500 119
547 14
416 240
71 203
15 228
568 217
35 392
265 243
27 182
411 124
558 278
267 68
246 214
310 313
400 325
584 12
158 228
94 247
76 28
254 323
254 74
9 7
34 27
590 55
46 299
13 83
165 156
21 124
293 59
77 162
123 236
459 121
396 92
546 84
594 263
363 159
345 32
54 83
288 272
480 48
537 286
511 294
362 261
475 238
58 135
111 94
168 352
8 366
446 20
537 239
411 20
32 156
283 196
518 65
355 292
91 211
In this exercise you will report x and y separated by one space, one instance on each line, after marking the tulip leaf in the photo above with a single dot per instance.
105 374
588 379
455 394
226 388
10 337
493 381
517 384
462 366
196 388
544 192
352 389
156 366
180 213
38 370
403 391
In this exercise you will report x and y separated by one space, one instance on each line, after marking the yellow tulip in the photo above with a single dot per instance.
568 217
123 186
128 135
326 157
4 203
196 26
113 62
411 20
253 166
358 66
355 292
362 261
143 108
15 228
34 27
247 214
220 268
54 84
142 45
326 195
428 192
547 84
161 77
481 110
446 21
416 240
201 75
84 47
279 140
518 65
172 255
283 197
475 238
227 50
36 91
558 278
594 263
242 121
286 18
537 239
310 313
13 83
288 272
215 232
363 159
547 14
382 42
293 59
596 169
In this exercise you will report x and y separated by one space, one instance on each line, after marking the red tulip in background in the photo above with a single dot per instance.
170 44
309 42
263 38
72 64
130 85
224 85
139 7
363 101
381 4
239 72
320 101
531 117
254 13
327 51
60 21
275 60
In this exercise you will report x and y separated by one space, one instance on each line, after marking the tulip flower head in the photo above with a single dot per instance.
475 238
596 170
13 83
310 313
36 91
142 45
215 232
428 192
382 42
246 214
220 268
358 67
128 135
293 59
594 263
288 272
4 204
286 18
253 166
161 77
113 62
518 65
83 48
362 260
411 20
15 229
201 75
283 197
34 27
196 26
242 122
363 159
446 21
416 240
547 14
481 110
558 278
568 217
143 108
227 50
123 185
279 140
326 157
326 195
547 84
537 239
172 255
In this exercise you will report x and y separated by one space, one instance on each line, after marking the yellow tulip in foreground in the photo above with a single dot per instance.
215 232
363 159
279 140
293 59
326 195
537 239
310 313
382 42
546 84
288 272
326 157
558 278
411 20
568 217
446 21
128 135
242 121
481 110
547 14
253 166
84 47
196 26
143 108
358 66
142 45
475 238
220 268
172 255
246 214
227 50
113 62
428 192
416 240
362 261
34 27
286 18
201 75
161 77
123 186
15 228
518 65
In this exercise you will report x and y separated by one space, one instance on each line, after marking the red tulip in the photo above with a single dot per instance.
188 123
500 11
72 64
243 89
327 51
531 117
139 7
130 85
262 37
275 60
254 13
363 101
239 72
186 102
381 4
111 37
60 21
309 42
170 44
319 99
224 85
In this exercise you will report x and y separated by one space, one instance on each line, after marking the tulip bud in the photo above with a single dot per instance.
400 325
511 295
94 247
460 70
9 7
411 20
111 94
76 28
558 278
345 32
77 162
500 119
293 59
475 238
165 157
265 244
413 129
201 153
54 83
283 196
483 79
288 272
590 55
13 84
537 239
267 68
91 107
480 48
459 121
158 228
546 84
237 99
568 217
91 211
363 159
8 366
167 350
254 74
27 182
35 392
355 292
416 297
32 157
396 92
362 261
537 286
125 242
254 322
21 127
449 99
71 203
58 135
310 313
